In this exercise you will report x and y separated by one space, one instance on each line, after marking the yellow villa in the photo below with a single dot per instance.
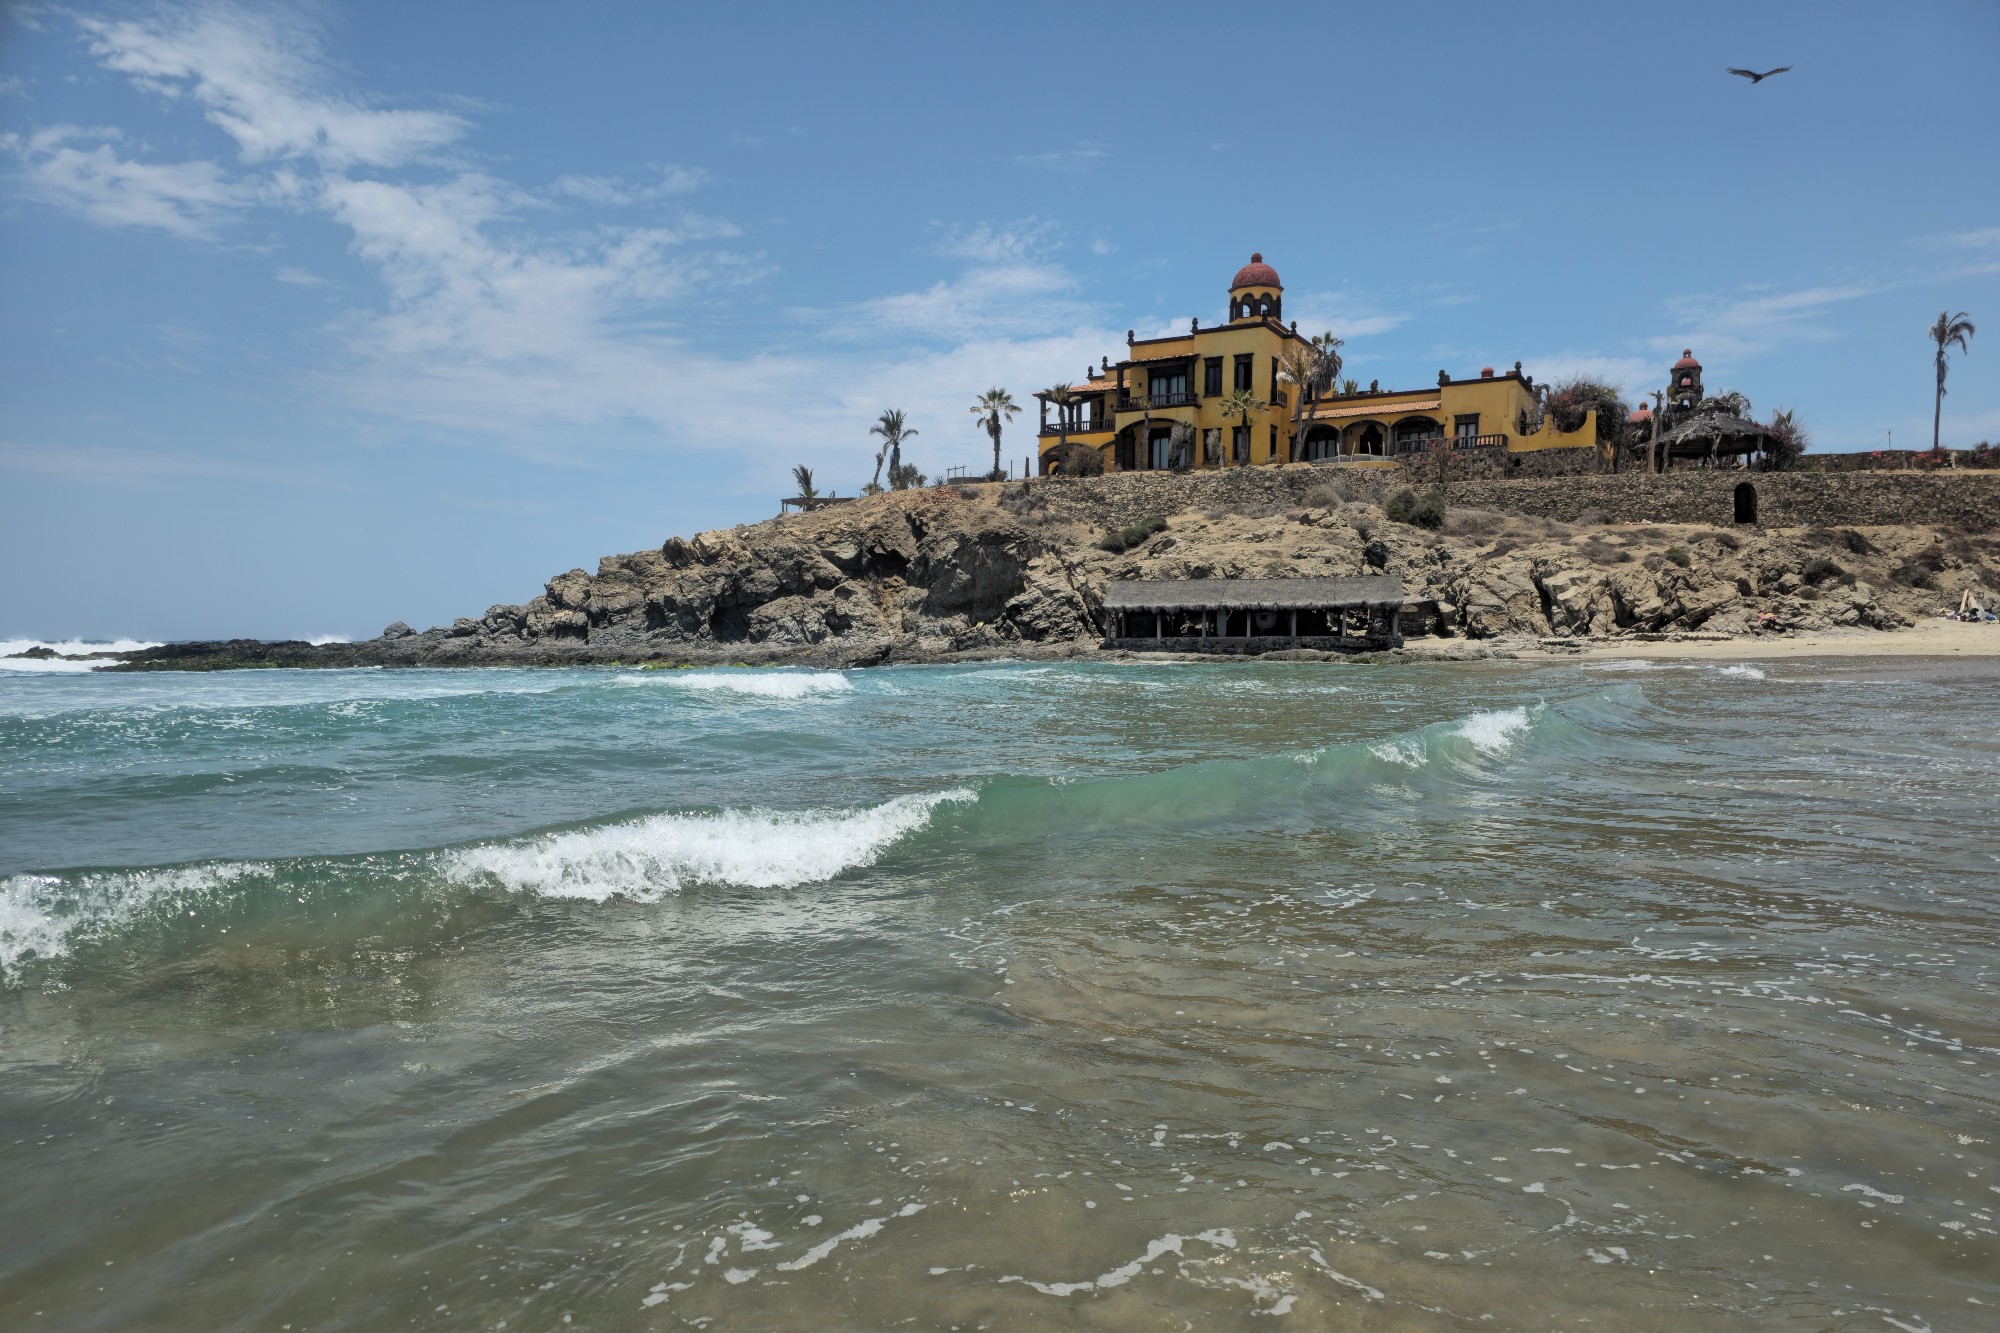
1128 410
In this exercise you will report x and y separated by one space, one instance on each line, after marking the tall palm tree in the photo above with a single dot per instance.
893 431
991 409
1949 331
1311 368
1243 404
803 475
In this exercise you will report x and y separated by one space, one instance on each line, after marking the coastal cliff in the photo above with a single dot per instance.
1020 569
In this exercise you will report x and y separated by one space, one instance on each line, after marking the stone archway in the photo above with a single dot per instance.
1746 502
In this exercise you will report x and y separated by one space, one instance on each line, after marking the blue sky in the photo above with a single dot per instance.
324 316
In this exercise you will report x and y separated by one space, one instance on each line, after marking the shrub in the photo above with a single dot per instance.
1678 556
1419 511
1080 460
1913 576
1571 401
1819 569
1323 496
1129 536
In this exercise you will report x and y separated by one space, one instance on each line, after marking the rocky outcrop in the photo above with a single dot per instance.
946 571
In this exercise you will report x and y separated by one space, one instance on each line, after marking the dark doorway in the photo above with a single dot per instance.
1746 502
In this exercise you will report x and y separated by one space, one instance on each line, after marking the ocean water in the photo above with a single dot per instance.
1002 996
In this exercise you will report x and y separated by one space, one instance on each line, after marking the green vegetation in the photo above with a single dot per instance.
803 475
1129 536
1242 405
1949 331
1678 556
893 429
1820 569
1419 511
1574 398
991 409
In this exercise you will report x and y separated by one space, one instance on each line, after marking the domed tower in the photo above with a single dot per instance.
1256 292
1684 389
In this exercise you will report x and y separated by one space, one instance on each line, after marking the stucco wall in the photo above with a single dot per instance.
1965 499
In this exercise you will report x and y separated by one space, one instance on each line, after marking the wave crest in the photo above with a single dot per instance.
647 858
765 684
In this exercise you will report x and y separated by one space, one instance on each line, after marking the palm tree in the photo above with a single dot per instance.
1348 388
991 409
1310 367
893 432
1062 395
1949 331
803 475
1244 404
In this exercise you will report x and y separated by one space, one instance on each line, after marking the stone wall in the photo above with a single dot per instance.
1969 500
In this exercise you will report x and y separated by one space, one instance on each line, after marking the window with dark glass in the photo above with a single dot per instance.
1212 376
1166 385
1243 370
1240 444
1466 425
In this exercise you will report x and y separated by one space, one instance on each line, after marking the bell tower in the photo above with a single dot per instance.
1256 293
1684 387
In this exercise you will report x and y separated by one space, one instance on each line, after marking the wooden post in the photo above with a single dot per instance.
1159 625
1295 622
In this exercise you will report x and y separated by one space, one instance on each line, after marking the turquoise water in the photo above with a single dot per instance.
1003 996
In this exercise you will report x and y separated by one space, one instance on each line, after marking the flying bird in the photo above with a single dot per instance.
1755 77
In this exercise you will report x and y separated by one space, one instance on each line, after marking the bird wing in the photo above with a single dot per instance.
1747 74
1769 72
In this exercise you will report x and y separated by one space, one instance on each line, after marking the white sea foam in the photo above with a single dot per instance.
1744 670
759 849
764 684
43 915
1494 732
9 647
320 640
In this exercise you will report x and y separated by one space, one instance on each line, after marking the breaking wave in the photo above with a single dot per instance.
755 849
765 684
10 647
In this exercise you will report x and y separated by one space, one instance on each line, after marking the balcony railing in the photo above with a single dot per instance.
1146 400
1077 428
1418 444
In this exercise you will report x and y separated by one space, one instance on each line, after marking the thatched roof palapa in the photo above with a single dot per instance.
1378 591
1716 432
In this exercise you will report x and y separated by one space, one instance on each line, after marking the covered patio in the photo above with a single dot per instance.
1254 615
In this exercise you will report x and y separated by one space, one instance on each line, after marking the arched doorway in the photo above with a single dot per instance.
1322 443
1746 502
1368 439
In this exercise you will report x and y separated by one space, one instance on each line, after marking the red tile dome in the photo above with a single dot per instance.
1687 361
1641 413
1256 273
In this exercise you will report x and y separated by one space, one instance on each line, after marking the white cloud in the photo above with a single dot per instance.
494 324
1741 326
1635 376
262 80
185 198
1346 315
612 191
299 277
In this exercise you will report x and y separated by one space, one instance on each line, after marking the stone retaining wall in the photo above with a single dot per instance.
1968 500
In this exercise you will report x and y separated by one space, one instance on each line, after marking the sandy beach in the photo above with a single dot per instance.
1927 638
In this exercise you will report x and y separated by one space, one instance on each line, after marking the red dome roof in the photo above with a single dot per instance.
1256 273
1640 413
1687 361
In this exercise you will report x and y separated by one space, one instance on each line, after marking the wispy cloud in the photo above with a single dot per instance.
667 182
299 277
261 78
1084 155
1345 314
1745 324
187 199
